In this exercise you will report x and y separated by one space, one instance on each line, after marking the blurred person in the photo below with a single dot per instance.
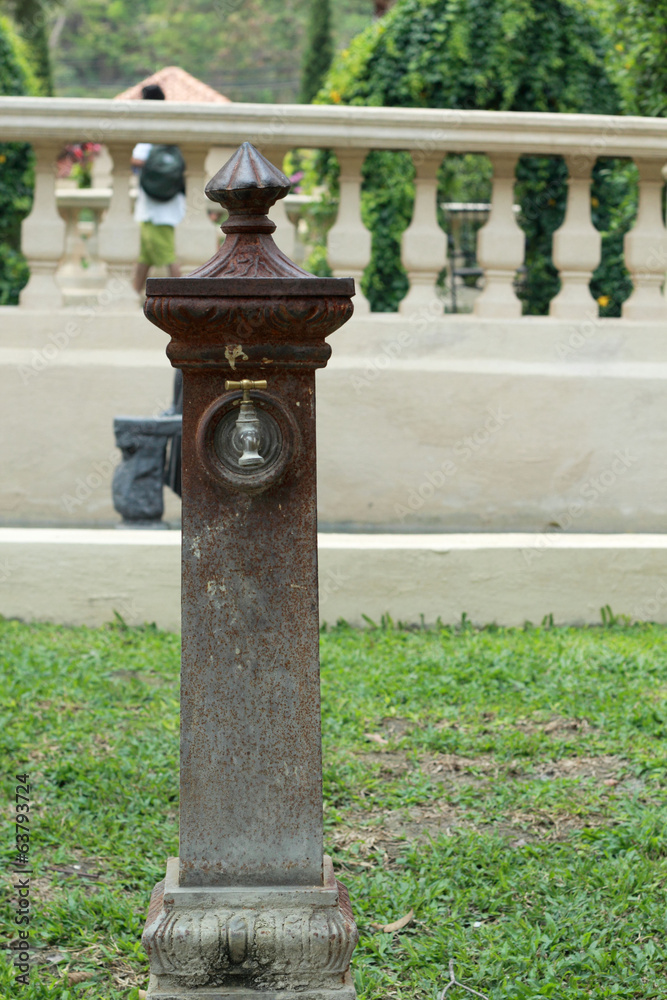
160 203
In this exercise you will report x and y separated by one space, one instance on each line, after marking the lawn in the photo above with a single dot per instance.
506 785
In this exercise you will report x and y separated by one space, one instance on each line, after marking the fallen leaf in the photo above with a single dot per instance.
78 977
143 994
611 782
397 924
376 738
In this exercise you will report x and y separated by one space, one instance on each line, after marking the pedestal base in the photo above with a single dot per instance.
274 942
346 992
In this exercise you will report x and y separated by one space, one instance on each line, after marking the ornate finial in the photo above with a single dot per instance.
248 183
247 186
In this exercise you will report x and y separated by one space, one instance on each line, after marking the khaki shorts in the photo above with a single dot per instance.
157 245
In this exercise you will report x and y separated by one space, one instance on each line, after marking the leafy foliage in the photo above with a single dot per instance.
512 55
531 55
638 59
16 168
31 18
248 49
614 209
319 50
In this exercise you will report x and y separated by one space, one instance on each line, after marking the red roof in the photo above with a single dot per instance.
177 86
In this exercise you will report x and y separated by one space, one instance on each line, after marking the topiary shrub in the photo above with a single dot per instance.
503 55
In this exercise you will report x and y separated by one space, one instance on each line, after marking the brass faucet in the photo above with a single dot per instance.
247 436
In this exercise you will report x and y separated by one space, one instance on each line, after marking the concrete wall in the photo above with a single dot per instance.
82 577
447 424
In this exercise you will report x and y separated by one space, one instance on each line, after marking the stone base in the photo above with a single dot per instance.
277 942
234 993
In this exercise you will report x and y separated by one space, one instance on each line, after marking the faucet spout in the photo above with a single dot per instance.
247 435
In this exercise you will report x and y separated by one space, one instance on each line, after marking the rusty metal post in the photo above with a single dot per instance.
250 907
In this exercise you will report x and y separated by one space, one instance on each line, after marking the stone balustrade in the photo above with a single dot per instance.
52 233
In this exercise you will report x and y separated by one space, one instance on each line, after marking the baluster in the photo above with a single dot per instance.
285 235
43 233
500 244
216 158
196 235
102 169
348 240
69 270
576 245
645 247
424 244
82 276
118 235
296 206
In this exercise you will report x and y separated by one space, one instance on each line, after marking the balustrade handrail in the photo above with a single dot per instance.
203 131
35 119
83 197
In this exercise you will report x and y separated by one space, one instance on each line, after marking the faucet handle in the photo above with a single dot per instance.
246 384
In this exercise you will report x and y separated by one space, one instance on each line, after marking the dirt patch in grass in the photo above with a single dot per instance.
396 727
603 770
554 727
389 830
85 870
607 769
393 763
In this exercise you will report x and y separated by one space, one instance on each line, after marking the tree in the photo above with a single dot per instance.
516 55
31 20
249 49
319 50
16 168
638 59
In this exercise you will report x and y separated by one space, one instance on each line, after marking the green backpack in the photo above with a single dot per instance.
163 173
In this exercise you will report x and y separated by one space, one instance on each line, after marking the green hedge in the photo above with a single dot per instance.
16 168
516 55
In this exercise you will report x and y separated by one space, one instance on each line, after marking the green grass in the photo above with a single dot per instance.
508 786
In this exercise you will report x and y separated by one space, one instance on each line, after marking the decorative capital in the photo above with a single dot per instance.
249 297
